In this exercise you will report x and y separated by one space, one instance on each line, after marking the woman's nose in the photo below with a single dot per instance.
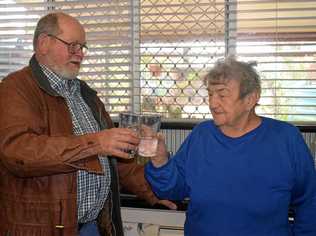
213 100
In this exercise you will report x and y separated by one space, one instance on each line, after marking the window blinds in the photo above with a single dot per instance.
107 66
151 55
280 37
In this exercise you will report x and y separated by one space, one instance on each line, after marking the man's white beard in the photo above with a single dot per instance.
65 73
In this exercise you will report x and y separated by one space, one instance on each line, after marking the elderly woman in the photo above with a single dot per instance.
240 171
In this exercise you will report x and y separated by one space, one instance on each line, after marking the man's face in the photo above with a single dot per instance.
59 58
227 109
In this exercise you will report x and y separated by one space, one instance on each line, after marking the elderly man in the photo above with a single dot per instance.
242 172
61 158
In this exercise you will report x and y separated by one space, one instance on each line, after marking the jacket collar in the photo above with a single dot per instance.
44 84
89 95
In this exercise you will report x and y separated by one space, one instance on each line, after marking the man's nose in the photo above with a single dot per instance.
80 52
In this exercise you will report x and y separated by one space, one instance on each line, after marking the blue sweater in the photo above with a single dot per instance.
242 186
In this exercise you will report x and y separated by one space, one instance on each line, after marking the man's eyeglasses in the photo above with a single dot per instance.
73 47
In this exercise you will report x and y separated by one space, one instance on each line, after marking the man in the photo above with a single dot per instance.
242 172
58 147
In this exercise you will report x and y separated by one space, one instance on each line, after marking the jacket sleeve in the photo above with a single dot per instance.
131 175
133 180
27 146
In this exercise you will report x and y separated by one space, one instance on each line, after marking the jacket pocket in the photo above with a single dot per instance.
30 217
35 212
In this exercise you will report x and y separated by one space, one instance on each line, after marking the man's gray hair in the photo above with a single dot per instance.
231 69
48 24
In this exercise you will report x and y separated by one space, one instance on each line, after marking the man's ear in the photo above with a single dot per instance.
43 44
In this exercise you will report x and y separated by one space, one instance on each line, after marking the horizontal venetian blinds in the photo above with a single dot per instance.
151 55
17 22
107 66
280 35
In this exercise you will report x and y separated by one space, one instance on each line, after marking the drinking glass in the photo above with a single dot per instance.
148 129
130 121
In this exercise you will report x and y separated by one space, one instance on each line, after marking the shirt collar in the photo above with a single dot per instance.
59 84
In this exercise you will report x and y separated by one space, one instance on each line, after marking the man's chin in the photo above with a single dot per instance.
68 75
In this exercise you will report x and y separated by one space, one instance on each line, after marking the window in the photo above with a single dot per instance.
151 55
17 23
281 37
107 66
180 41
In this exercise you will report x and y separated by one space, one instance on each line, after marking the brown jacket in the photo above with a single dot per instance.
39 157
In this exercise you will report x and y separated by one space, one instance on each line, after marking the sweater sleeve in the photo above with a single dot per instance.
304 190
169 180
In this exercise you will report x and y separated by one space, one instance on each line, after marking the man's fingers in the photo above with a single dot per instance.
168 204
122 154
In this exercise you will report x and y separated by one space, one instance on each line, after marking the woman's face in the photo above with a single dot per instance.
226 106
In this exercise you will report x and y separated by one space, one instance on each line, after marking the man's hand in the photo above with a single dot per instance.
118 142
168 204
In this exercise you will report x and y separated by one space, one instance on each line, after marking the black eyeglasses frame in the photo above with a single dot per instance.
73 47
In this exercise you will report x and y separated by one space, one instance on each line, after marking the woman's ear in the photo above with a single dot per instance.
252 100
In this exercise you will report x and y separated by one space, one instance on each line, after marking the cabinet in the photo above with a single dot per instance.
152 222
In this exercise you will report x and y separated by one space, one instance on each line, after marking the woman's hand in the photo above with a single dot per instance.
162 156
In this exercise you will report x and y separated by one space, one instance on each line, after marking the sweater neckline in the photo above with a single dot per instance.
235 140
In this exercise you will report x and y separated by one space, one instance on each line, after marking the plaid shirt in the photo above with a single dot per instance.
93 189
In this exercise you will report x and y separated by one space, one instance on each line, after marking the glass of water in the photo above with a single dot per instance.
130 121
148 129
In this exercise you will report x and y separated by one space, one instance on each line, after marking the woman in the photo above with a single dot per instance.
240 171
